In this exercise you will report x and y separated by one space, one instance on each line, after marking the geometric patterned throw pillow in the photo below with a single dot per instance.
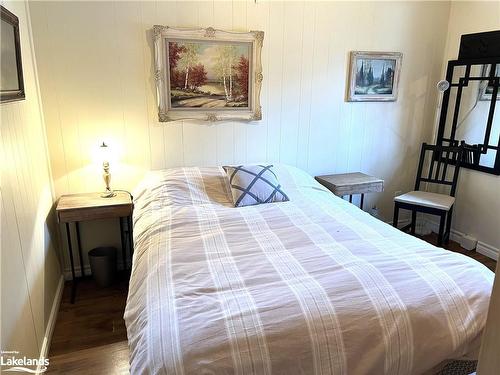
254 184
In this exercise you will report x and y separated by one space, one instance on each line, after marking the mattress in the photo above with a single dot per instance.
310 286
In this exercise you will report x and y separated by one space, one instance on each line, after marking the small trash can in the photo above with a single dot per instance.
103 265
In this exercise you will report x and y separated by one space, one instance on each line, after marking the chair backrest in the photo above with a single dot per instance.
471 153
438 167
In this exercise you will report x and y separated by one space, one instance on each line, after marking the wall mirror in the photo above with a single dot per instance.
468 113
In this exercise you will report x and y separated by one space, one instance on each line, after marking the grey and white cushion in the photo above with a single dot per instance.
254 184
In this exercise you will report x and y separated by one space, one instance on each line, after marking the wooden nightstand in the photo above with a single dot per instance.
90 206
351 183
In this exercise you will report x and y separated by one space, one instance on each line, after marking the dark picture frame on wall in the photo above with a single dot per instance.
11 80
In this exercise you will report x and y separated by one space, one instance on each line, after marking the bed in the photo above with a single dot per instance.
309 286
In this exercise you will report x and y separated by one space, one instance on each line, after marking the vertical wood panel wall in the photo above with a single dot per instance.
96 75
30 270
95 64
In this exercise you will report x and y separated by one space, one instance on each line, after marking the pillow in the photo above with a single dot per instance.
254 184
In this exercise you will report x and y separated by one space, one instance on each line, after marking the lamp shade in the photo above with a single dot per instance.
104 152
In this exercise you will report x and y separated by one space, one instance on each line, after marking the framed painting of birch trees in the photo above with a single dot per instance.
374 76
207 74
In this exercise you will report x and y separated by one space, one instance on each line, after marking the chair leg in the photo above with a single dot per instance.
395 217
448 227
441 229
413 221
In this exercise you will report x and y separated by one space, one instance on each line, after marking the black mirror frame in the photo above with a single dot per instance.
14 95
441 140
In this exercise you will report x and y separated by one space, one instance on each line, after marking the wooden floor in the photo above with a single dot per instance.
106 359
90 336
454 246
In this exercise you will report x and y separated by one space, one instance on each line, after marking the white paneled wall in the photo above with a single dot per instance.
96 75
95 63
30 272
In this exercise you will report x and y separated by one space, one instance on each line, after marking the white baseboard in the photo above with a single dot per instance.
488 250
433 226
44 351
455 235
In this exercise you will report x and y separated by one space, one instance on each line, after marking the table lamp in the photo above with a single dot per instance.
105 156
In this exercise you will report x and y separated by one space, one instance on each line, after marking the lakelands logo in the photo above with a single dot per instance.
11 361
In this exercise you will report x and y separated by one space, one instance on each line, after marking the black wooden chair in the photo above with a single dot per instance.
471 153
439 204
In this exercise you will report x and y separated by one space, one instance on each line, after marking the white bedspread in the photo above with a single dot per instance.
310 286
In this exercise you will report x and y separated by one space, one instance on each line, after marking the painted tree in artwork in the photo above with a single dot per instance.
232 58
389 74
369 76
176 78
189 58
198 76
174 54
175 51
361 74
242 70
381 80
225 59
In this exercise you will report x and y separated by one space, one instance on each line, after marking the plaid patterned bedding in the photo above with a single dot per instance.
309 286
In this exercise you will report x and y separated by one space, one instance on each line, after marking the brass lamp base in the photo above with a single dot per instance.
108 194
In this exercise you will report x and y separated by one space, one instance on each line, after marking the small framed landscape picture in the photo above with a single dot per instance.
374 76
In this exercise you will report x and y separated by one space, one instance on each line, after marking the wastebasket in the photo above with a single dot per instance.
103 265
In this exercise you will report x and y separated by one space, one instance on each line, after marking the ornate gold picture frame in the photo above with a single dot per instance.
207 74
